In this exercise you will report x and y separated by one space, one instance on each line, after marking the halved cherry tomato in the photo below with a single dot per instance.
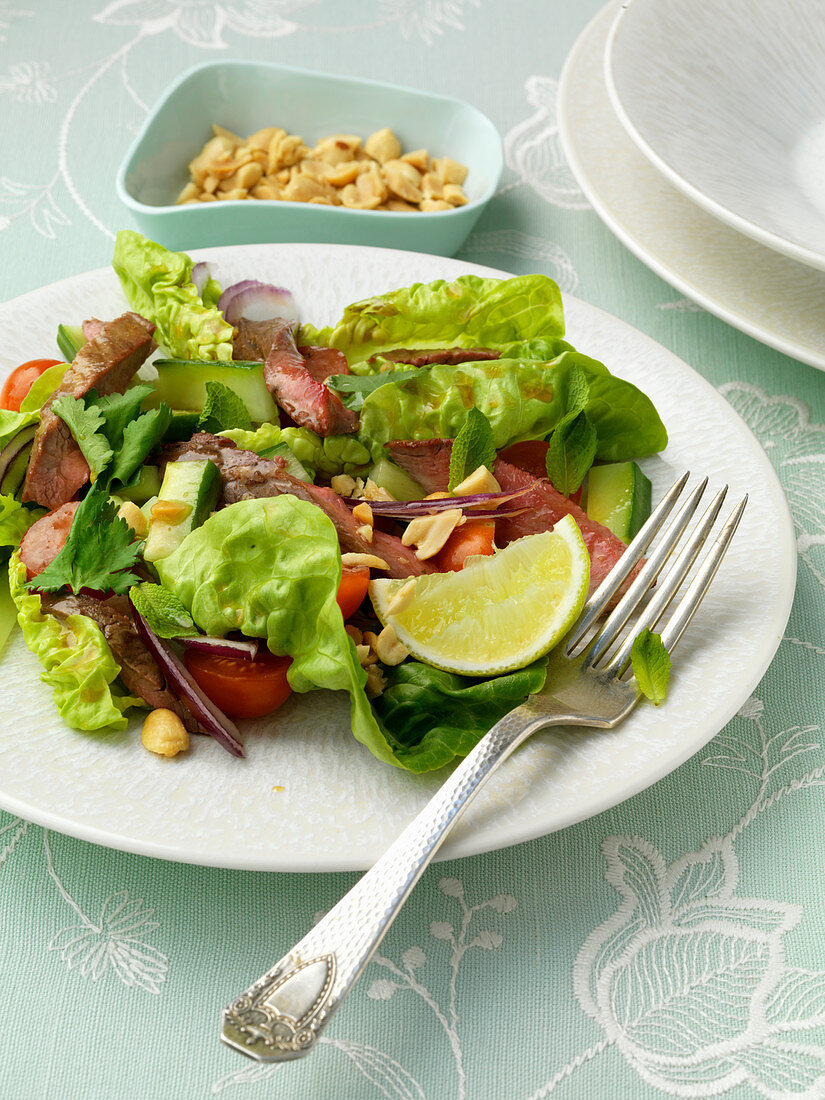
355 580
20 381
473 537
239 687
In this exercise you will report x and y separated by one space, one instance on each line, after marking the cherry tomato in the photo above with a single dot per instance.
471 538
239 687
20 381
352 589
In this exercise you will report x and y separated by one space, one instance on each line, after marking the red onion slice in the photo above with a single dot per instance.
410 509
201 273
257 302
221 647
213 720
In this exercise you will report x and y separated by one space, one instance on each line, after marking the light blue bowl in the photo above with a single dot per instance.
245 96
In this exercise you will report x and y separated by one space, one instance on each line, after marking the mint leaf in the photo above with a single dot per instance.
650 662
354 389
98 553
570 452
85 424
578 392
140 437
223 409
162 610
472 447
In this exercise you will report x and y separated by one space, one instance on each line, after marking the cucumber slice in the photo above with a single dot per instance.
618 496
396 481
189 493
181 384
145 485
182 426
70 340
293 466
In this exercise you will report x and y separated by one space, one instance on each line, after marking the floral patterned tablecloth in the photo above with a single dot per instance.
672 946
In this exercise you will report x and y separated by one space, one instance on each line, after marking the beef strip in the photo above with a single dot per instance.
57 468
297 382
247 476
428 461
139 671
427 357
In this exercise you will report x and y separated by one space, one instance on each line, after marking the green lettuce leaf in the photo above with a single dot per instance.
264 441
15 520
77 662
43 387
427 717
469 312
8 610
12 422
522 399
158 284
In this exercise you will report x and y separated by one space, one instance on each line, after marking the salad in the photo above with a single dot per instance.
202 504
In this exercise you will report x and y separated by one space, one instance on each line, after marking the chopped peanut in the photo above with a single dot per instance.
429 533
134 517
170 511
371 560
163 733
402 597
365 531
376 492
274 165
479 481
390 651
376 682
344 485
363 513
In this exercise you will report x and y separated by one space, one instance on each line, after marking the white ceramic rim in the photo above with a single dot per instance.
581 55
716 209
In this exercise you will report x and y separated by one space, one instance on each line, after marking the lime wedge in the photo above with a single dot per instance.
499 612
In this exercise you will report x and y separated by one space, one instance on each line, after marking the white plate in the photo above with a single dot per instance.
308 797
753 288
727 101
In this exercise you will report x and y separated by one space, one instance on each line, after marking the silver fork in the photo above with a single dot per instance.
282 1014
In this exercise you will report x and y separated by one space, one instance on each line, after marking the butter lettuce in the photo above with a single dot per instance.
77 662
158 284
13 422
469 312
522 399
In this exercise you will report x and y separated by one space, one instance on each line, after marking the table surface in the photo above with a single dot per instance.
671 946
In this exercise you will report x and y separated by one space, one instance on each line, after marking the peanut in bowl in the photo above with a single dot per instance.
245 98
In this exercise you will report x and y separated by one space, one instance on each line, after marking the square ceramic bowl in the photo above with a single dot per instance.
245 96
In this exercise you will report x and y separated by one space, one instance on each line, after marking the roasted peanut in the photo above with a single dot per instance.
163 733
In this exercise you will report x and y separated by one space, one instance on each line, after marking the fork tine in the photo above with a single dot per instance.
687 606
669 585
611 584
647 575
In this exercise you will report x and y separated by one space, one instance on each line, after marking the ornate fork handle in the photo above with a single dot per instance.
284 1012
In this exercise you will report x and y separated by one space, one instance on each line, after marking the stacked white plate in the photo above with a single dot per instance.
697 133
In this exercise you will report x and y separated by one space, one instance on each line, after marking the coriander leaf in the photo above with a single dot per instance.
139 438
650 662
570 452
162 610
118 410
85 423
223 409
472 447
98 553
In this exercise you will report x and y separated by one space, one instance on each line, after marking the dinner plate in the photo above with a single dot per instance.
727 101
762 293
309 797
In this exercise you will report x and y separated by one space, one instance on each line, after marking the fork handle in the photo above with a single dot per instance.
282 1014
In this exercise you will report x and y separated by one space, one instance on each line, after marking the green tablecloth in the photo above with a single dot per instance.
558 967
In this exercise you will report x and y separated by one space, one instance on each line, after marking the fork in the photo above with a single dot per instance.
282 1014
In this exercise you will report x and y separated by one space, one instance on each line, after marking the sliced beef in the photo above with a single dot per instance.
46 538
427 357
57 468
139 671
296 382
428 461
247 476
